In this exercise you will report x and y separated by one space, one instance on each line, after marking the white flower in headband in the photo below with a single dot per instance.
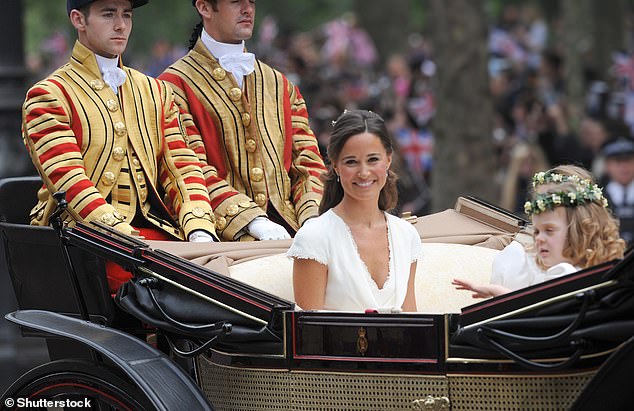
550 200
546 177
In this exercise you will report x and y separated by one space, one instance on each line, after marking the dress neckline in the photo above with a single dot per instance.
387 284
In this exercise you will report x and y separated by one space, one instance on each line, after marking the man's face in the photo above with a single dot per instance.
231 22
620 169
106 27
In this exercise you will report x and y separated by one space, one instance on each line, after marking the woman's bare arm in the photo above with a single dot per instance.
410 297
309 283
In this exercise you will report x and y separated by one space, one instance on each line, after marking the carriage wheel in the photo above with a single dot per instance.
82 381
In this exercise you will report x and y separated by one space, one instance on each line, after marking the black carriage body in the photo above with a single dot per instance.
275 357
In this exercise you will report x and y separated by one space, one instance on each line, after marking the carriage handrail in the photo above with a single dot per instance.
56 222
586 297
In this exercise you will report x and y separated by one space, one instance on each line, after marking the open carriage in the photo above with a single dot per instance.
213 326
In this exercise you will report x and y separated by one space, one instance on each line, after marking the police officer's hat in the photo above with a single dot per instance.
76 4
618 147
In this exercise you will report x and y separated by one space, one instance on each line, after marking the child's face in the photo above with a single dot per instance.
551 232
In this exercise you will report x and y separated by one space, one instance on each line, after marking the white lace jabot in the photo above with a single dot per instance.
111 73
231 57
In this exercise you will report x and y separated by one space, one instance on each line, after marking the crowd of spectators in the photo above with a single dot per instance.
337 67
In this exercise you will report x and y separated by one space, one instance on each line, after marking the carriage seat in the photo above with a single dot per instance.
434 293
35 262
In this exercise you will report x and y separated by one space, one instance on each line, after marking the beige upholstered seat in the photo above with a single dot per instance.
456 244
434 292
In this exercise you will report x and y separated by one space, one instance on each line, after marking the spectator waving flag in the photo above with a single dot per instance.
623 68
416 148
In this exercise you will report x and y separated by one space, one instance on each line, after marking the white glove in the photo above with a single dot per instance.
200 236
264 229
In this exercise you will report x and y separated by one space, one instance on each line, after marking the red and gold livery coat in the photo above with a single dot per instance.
256 145
113 154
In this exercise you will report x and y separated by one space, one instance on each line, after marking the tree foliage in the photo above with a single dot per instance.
173 20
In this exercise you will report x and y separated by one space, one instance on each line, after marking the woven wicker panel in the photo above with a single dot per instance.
334 391
476 393
229 388
246 389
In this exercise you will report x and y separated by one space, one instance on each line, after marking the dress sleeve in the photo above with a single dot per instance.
417 248
510 267
310 242
559 270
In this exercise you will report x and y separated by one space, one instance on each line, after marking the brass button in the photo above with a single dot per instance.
244 204
246 119
108 219
118 153
219 74
250 145
232 210
257 174
198 212
119 128
221 223
96 84
136 162
143 195
235 94
108 178
260 199
113 105
139 177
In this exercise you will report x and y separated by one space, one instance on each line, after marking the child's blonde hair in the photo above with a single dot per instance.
593 233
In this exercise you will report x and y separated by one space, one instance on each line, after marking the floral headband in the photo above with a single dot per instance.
585 192
547 177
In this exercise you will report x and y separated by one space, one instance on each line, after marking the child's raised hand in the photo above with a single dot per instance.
479 290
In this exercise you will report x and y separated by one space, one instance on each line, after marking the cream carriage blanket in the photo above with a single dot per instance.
453 246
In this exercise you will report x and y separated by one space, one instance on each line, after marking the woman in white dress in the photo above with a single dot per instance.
356 256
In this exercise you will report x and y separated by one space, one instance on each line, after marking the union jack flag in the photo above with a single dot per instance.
422 108
623 68
417 147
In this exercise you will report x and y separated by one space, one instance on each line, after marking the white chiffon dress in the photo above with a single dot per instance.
328 240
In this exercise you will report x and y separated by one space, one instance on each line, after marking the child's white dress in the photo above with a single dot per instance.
514 268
